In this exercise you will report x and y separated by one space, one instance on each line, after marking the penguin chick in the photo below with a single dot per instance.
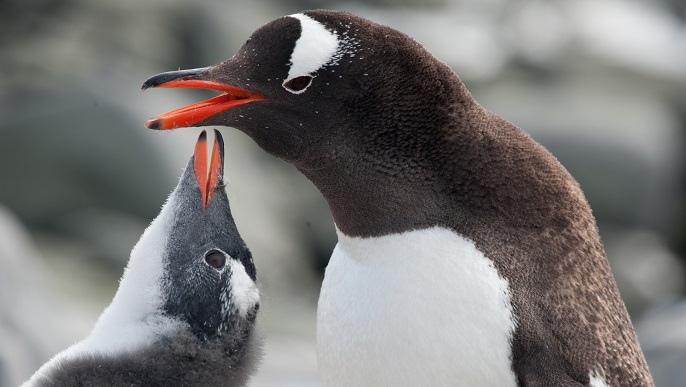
184 313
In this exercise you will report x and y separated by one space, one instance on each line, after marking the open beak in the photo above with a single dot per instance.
209 180
193 114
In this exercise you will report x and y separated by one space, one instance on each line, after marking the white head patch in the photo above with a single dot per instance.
243 288
315 48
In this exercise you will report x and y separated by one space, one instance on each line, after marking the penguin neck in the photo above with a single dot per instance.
370 197
385 211
384 172
470 165
135 318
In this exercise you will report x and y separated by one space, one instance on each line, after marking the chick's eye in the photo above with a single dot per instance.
298 84
215 259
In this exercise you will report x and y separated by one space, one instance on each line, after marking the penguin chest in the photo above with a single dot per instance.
419 308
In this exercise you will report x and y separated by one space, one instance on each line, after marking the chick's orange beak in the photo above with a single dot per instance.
209 180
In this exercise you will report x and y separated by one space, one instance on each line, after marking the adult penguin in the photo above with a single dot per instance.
467 254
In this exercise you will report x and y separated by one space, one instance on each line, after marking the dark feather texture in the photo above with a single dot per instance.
182 360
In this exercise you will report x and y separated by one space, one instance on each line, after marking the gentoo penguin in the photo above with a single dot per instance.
467 255
184 313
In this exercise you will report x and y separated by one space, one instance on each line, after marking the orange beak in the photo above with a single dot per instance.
209 180
191 115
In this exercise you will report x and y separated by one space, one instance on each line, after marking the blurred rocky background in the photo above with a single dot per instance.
602 84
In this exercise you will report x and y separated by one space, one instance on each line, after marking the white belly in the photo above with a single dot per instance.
422 308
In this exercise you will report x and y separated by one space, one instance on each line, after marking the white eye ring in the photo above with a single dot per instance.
298 85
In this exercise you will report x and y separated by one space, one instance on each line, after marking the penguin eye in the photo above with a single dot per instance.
215 259
298 84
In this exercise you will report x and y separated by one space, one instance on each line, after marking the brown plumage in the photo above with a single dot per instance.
395 142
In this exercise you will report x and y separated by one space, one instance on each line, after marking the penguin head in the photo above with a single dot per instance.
209 280
208 276
301 80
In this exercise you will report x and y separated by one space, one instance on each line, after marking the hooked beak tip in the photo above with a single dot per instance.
153 124
173 78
